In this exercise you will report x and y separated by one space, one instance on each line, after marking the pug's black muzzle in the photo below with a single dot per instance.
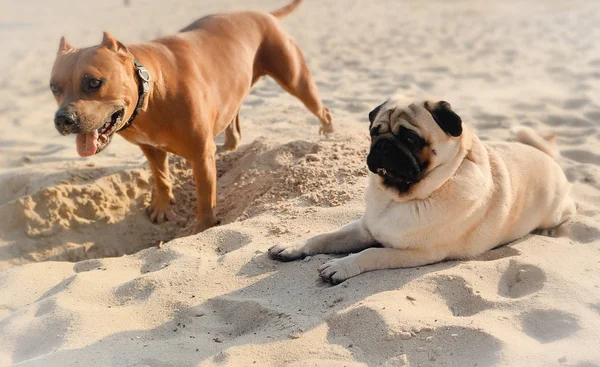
394 162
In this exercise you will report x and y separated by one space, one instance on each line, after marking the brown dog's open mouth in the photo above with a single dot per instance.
95 141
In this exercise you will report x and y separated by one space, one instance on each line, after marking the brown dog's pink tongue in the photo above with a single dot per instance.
87 143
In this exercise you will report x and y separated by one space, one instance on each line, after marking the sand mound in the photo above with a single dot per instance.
262 177
92 215
69 221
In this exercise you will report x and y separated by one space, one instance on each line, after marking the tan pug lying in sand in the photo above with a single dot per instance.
176 93
437 192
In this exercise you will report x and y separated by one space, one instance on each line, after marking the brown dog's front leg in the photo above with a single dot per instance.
205 175
161 206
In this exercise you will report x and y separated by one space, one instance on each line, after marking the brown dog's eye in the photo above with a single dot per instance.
94 83
54 89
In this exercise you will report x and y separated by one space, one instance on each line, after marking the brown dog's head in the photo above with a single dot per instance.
95 89
409 142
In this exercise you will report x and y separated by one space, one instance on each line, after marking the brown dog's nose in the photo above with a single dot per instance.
64 121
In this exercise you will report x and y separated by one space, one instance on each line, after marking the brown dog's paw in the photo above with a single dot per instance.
327 126
201 226
161 212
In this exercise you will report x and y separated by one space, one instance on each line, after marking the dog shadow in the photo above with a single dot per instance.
212 330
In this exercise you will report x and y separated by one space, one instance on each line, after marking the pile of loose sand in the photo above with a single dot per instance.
97 213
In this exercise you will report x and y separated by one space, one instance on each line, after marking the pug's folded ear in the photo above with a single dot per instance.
373 114
447 119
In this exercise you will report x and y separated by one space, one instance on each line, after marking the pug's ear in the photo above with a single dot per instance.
447 119
373 114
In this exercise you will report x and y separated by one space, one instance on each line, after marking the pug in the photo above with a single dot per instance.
437 192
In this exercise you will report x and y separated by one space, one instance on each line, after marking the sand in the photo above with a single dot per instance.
86 279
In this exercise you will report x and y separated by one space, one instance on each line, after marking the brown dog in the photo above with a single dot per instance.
175 94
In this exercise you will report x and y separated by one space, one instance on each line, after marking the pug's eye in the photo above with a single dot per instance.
410 140
374 131
94 83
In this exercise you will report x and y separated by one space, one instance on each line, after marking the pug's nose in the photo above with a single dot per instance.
383 146
64 120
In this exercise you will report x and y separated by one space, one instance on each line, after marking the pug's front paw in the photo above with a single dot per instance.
337 270
288 252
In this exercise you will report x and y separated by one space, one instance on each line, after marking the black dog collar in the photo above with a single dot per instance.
143 77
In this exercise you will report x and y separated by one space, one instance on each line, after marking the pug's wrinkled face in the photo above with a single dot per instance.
409 142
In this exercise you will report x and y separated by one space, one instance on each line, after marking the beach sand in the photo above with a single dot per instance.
86 279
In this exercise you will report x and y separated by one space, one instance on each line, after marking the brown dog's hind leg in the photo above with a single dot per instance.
287 66
233 134
161 205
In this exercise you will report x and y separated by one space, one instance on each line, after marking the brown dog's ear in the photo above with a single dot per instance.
447 119
373 114
64 46
112 44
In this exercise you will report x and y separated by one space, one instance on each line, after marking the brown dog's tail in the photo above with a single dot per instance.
280 13
528 136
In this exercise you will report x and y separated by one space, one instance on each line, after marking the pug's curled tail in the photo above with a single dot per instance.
528 136
280 13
